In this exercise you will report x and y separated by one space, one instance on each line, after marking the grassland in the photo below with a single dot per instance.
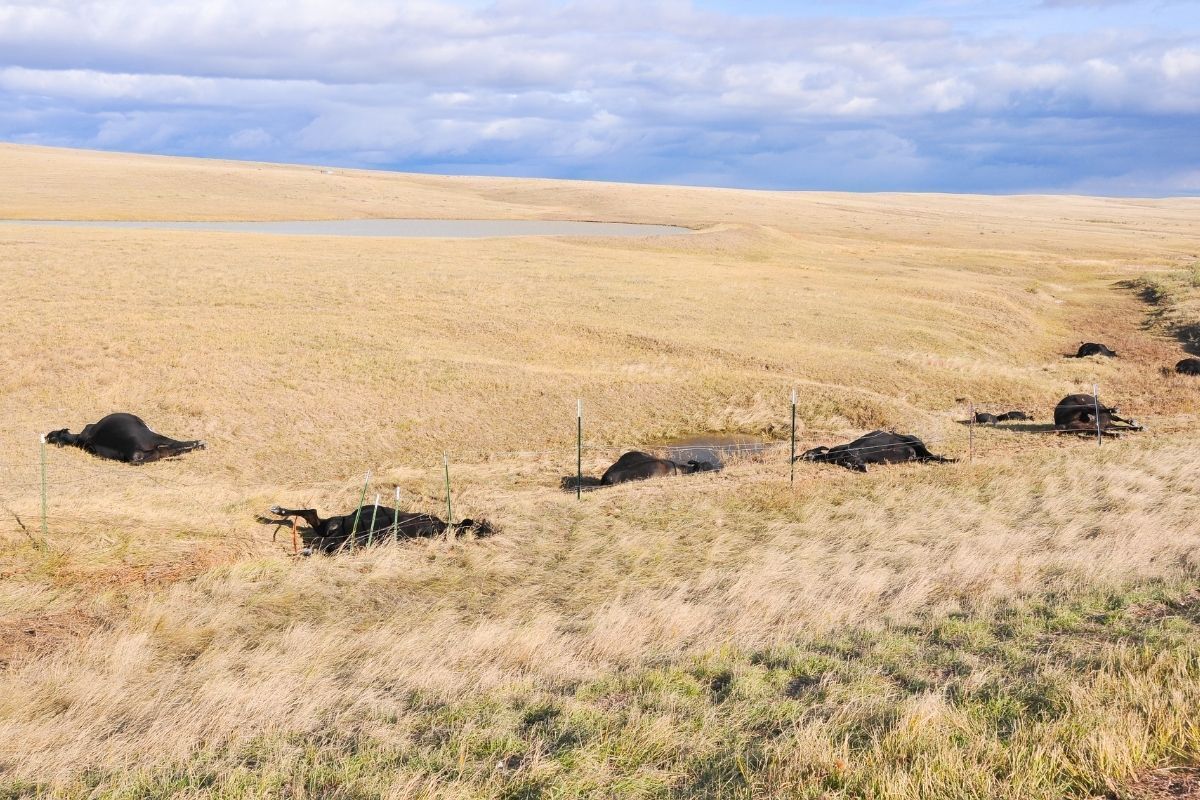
1022 625
1175 297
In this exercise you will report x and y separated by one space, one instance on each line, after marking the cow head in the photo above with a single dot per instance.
694 466
816 454
480 528
61 436
334 528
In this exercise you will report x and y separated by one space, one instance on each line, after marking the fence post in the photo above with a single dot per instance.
1096 408
396 516
446 464
792 462
971 435
374 514
42 439
579 449
358 512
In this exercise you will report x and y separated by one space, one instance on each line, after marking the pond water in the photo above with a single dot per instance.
715 447
409 228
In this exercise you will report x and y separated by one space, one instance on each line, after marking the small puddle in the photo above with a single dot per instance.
403 228
715 447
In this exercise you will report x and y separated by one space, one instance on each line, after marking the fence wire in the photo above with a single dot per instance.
21 480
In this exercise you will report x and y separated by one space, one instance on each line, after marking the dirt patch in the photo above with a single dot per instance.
1160 609
1170 783
34 635
130 577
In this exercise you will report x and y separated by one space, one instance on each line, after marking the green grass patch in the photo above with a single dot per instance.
1050 697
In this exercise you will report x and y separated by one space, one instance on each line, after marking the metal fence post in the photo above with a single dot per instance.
45 502
971 435
579 449
374 515
446 465
396 516
358 512
792 462
1096 405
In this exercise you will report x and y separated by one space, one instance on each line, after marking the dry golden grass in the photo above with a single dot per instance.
174 634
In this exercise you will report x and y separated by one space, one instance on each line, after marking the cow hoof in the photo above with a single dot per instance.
276 510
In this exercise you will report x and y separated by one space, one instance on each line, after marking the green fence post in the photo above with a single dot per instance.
579 449
446 464
793 457
358 513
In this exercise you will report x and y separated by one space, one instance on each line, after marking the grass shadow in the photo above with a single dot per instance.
1164 299
1027 427
569 483
1019 427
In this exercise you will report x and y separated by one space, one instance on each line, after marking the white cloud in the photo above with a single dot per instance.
251 139
600 88
1182 64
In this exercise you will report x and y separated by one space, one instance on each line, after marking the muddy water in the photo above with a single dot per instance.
714 447
405 228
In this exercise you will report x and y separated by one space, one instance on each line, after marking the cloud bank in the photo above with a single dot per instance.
1053 95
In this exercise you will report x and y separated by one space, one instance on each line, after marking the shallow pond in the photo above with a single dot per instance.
409 228
715 447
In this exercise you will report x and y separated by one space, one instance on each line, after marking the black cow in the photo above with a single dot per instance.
376 524
983 418
1013 416
637 466
876 447
1079 412
1189 366
123 437
1093 349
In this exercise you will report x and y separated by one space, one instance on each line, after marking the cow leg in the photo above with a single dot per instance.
1082 427
166 447
178 448
309 515
923 454
1133 426
852 461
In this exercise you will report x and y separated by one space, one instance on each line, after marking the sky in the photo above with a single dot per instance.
1063 96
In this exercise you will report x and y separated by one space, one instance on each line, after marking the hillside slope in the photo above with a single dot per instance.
647 640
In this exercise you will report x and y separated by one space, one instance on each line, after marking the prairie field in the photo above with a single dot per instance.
1024 623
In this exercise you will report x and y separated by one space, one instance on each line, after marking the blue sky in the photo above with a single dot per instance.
1081 96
